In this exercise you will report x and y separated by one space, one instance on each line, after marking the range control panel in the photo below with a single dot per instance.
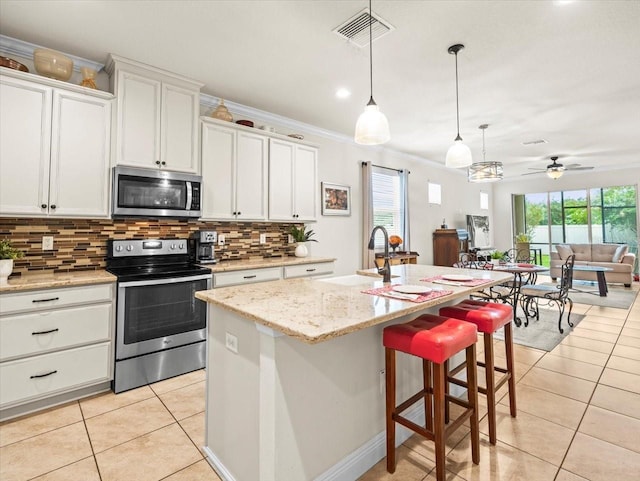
147 247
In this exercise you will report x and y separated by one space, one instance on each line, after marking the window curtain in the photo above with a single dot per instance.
367 215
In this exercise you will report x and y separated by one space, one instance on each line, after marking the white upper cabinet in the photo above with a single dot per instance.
292 181
157 121
234 173
54 148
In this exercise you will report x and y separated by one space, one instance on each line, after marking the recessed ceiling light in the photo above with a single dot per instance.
343 93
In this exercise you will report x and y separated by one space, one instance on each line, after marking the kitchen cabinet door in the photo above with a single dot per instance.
180 110
138 133
251 177
305 194
80 156
218 172
25 139
292 181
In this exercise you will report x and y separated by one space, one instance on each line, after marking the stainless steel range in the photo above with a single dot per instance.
160 325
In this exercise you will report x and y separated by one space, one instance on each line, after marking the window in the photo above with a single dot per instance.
597 215
484 201
434 192
388 193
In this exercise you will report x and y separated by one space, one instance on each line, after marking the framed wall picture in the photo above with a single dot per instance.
336 199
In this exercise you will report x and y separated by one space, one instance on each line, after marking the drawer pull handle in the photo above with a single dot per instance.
310 270
251 277
37 376
44 332
46 300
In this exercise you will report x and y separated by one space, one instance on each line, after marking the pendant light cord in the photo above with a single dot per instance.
371 101
457 105
483 150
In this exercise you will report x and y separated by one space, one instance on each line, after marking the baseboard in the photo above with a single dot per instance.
217 466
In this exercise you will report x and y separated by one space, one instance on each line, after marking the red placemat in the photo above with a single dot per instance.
385 291
472 283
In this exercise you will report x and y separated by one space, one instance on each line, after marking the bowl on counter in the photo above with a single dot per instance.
10 63
52 64
246 123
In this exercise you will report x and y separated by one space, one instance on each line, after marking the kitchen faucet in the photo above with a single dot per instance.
386 269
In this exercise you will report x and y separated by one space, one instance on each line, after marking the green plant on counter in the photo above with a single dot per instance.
299 234
8 252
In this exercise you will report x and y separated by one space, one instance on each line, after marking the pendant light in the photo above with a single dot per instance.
458 155
485 171
372 127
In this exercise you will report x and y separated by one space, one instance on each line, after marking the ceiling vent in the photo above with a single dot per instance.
535 142
356 29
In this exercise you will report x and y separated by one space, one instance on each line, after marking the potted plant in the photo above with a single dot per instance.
301 236
7 256
522 242
497 257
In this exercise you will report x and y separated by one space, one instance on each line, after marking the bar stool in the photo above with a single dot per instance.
434 339
488 317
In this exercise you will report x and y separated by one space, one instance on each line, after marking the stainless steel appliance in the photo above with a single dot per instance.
155 193
160 325
203 246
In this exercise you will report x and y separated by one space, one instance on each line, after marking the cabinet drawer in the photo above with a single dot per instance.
54 298
58 371
39 332
305 270
249 276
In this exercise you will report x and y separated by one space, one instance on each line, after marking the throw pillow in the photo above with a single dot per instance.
621 251
564 251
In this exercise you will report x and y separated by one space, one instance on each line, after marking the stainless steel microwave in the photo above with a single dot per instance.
155 193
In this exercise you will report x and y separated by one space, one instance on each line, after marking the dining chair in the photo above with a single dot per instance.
532 295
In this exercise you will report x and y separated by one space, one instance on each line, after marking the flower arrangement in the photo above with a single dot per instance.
394 242
9 252
300 235
522 238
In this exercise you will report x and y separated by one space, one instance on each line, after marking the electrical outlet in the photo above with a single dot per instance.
47 243
383 381
231 342
263 238
290 239
221 239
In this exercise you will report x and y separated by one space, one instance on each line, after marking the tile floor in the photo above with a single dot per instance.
578 419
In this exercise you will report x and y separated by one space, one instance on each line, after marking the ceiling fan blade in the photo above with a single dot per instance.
578 168
539 170
531 173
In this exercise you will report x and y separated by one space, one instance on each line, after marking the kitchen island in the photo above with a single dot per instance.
295 372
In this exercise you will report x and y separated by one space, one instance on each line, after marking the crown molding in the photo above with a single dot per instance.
13 46
211 102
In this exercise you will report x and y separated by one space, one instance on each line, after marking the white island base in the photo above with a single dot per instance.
283 410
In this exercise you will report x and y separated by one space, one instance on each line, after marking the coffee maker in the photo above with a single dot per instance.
202 246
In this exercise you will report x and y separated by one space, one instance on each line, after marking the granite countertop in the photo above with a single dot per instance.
316 310
241 264
28 282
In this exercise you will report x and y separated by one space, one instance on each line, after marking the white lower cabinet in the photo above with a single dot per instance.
308 270
250 276
54 341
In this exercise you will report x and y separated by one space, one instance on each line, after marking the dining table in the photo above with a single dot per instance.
523 273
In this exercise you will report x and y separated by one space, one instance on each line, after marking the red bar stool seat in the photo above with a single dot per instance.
434 339
488 317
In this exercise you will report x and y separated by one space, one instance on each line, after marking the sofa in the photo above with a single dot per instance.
615 256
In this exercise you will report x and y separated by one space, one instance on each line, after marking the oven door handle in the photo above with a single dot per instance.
170 280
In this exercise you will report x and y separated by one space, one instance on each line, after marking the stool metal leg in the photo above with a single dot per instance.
491 385
390 370
439 382
508 341
472 397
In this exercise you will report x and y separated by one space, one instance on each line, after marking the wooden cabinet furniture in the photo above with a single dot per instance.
446 247
398 259
263 274
234 173
55 150
157 120
292 181
54 342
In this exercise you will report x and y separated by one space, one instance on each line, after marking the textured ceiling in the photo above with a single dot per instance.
566 72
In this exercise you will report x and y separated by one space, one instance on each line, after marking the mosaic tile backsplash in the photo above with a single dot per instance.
81 244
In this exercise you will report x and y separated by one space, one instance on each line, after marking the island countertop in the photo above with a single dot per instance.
321 309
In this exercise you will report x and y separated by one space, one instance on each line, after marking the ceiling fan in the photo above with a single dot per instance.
555 169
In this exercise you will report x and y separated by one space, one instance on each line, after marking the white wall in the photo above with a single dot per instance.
541 183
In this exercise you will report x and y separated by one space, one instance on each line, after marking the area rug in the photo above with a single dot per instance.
619 297
542 334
